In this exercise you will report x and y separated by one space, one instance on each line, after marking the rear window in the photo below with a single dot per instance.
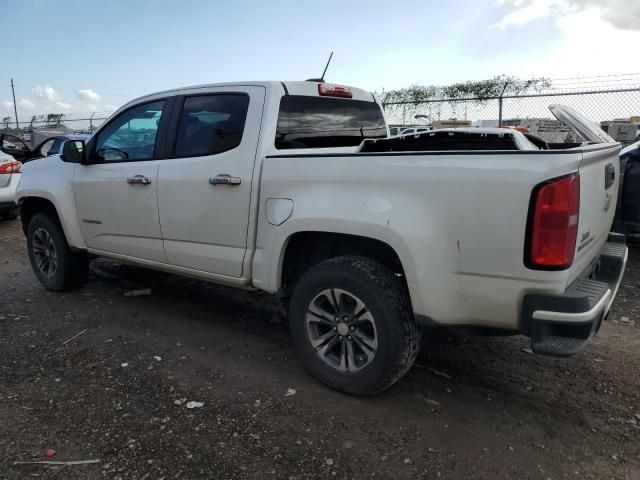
320 122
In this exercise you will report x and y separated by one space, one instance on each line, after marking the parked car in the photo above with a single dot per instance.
53 145
19 149
14 146
627 219
468 138
269 186
9 178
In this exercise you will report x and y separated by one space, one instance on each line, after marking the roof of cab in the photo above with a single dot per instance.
292 88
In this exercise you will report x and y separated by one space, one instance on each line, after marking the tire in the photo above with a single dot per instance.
383 341
45 234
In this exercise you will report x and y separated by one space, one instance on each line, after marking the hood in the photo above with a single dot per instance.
583 127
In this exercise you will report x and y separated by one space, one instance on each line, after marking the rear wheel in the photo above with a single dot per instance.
352 324
56 266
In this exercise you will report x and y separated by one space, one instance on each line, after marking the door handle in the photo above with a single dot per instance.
224 179
138 180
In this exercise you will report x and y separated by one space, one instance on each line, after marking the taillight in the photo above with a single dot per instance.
553 224
330 90
10 167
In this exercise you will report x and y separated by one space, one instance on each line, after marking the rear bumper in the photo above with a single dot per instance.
561 325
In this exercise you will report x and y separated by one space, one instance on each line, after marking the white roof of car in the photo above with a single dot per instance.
479 130
298 87
522 142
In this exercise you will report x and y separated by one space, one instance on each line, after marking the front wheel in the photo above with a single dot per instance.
54 263
352 325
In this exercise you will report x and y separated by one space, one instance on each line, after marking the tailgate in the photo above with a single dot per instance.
599 181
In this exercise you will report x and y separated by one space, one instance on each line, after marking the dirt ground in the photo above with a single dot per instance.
472 407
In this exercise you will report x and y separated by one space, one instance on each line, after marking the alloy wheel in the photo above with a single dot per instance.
341 330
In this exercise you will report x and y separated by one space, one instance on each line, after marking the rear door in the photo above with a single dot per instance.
204 187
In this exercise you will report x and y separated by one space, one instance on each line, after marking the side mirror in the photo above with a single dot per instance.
73 151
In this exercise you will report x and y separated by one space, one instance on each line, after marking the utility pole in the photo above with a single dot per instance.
506 84
15 107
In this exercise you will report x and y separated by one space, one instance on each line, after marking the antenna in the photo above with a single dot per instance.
321 79
326 66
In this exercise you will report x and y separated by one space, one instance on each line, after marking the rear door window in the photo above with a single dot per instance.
321 122
211 124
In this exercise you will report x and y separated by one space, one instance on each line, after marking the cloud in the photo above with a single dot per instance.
110 108
526 11
621 14
7 105
589 44
89 95
63 105
45 92
25 104
92 107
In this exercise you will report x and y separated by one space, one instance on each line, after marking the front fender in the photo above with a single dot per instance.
52 179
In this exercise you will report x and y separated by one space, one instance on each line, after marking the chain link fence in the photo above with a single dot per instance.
79 122
611 101
615 109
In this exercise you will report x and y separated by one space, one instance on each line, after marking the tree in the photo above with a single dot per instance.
54 118
5 122
479 91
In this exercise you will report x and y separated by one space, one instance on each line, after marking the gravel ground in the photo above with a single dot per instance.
472 407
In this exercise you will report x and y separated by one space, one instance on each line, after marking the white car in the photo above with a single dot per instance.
269 185
9 178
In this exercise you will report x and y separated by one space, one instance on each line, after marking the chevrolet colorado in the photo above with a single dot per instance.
272 186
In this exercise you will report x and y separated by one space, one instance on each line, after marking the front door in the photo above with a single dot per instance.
204 189
116 192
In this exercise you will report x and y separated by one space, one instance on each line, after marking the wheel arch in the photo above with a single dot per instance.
303 249
33 204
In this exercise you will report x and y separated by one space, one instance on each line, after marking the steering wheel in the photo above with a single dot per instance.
105 150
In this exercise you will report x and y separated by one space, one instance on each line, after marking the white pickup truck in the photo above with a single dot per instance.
270 186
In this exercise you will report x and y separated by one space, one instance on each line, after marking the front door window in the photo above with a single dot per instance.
132 135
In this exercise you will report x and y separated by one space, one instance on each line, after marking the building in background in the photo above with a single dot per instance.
625 130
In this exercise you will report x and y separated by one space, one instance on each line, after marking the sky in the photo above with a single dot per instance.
81 56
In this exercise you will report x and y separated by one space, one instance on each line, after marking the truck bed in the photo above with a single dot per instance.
458 219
